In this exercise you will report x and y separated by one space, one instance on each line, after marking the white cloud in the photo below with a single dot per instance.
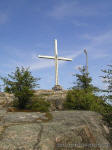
87 36
100 45
62 10
3 18
76 8
99 39
80 24
33 61
100 55
43 63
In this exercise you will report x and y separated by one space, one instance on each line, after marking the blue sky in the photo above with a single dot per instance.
28 28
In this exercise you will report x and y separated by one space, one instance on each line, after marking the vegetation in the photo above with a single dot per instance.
82 96
80 100
83 82
21 83
107 78
38 104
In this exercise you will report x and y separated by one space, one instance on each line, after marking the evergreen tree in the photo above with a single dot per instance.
83 81
21 83
107 78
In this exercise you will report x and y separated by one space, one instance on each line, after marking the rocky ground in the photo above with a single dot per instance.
65 130
56 99
68 130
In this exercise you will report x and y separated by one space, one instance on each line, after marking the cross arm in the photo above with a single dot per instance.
47 57
66 59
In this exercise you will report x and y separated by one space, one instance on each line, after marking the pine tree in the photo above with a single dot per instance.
107 78
83 81
21 83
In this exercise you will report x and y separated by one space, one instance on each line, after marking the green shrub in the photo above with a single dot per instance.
80 100
38 104
107 78
84 82
107 114
21 83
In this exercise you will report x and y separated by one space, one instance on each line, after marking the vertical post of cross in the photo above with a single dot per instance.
56 62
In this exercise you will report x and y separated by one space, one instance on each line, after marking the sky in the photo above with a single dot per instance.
28 29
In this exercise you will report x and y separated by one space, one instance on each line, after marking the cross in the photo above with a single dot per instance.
56 58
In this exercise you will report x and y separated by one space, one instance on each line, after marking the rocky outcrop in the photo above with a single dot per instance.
68 130
63 130
56 98
6 99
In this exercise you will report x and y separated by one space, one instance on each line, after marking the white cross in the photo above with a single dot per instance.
56 58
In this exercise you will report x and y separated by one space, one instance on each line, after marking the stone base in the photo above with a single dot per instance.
57 88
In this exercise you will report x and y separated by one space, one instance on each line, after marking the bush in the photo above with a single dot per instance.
107 78
84 82
38 104
79 100
21 83
107 114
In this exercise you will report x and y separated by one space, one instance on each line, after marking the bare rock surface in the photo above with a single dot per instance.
5 98
17 117
56 98
68 130
23 136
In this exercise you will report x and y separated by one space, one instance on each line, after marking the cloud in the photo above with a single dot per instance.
43 63
18 58
99 45
100 55
79 9
62 10
3 18
80 24
105 37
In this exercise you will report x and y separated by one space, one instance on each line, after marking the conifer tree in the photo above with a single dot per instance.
21 83
83 81
107 78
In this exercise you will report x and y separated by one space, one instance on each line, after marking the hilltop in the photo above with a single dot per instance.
56 130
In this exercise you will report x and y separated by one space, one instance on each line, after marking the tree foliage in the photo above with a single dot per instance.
38 104
83 81
107 78
82 96
21 83
80 100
